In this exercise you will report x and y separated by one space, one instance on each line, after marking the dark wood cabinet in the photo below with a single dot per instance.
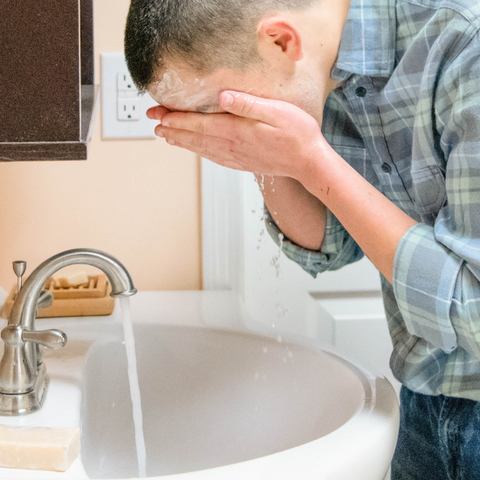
47 92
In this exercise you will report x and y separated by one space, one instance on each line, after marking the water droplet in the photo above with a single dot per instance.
265 349
262 183
279 339
276 259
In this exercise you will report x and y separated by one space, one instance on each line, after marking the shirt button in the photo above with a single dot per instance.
360 91
387 168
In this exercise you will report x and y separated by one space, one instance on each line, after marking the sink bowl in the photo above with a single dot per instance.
215 398
218 403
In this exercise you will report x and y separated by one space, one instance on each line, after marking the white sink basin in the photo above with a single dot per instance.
222 404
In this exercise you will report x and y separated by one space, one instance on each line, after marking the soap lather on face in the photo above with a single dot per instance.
185 95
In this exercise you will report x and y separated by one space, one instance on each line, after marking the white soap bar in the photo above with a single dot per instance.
72 279
39 448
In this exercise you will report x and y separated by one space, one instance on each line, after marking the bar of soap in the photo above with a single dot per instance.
73 279
52 449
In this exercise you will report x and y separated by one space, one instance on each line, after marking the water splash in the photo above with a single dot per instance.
262 234
276 259
262 182
134 387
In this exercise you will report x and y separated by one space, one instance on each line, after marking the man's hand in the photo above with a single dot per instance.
256 135
276 138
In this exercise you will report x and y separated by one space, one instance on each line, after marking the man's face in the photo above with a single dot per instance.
179 89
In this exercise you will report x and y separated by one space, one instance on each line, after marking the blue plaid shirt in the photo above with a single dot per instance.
407 118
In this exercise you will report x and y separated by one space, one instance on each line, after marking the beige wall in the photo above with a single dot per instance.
138 200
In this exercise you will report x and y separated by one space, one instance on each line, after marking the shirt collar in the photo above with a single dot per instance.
367 46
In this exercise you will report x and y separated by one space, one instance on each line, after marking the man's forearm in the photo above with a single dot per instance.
299 214
376 223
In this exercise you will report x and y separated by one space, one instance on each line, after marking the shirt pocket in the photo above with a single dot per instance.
430 193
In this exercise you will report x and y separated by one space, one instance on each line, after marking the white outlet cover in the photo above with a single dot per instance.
113 64
129 109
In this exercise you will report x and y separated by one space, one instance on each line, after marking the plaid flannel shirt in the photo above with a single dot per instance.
407 118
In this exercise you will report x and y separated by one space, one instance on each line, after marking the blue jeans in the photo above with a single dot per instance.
439 438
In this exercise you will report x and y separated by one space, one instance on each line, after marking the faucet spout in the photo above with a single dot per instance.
23 379
24 309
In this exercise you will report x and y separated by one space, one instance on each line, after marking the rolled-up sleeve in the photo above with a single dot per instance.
437 268
338 248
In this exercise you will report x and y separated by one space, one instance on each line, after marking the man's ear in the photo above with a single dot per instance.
276 36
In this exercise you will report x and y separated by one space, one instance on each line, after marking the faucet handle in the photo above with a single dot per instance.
48 338
19 267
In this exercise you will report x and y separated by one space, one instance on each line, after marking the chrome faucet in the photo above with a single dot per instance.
23 377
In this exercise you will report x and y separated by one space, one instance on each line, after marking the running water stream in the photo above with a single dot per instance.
134 387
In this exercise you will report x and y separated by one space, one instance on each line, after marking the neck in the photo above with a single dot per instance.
322 28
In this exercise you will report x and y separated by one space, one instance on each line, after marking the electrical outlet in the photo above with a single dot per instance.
123 108
129 109
125 82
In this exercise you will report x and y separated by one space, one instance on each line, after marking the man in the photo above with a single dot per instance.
368 116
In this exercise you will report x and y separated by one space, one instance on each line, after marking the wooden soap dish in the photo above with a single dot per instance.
87 300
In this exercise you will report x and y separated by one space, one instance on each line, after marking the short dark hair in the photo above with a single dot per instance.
202 34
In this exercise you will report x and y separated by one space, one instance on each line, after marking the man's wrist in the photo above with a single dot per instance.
319 172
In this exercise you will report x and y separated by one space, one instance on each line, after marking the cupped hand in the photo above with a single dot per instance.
256 135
